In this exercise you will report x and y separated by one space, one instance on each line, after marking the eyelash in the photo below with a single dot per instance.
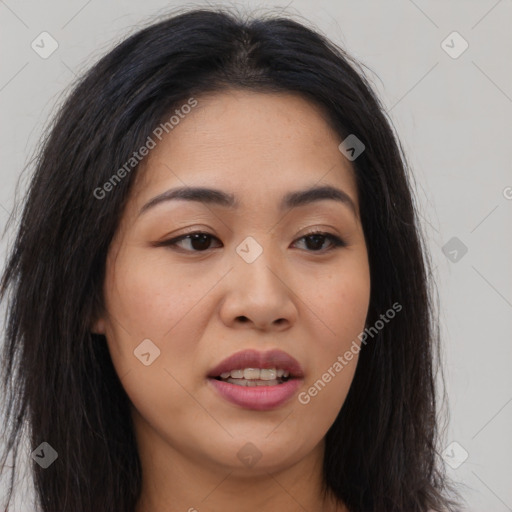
336 241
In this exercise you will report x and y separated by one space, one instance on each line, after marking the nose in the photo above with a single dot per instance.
258 295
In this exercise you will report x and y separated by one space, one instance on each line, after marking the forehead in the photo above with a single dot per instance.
250 144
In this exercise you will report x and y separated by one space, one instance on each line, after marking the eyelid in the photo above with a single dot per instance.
337 242
171 242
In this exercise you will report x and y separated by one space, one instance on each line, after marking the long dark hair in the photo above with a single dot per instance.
382 450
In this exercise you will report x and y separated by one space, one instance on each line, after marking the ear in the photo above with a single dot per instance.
98 326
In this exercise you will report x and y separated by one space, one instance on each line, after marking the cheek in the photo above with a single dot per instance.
147 300
152 299
340 303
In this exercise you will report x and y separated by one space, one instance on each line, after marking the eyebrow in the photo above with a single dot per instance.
227 200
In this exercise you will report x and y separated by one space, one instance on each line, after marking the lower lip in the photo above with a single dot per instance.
258 398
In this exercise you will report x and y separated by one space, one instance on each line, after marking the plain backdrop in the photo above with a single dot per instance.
451 107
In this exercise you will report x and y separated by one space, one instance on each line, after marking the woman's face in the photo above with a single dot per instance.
254 281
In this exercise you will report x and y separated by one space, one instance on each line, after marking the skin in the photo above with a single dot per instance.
310 301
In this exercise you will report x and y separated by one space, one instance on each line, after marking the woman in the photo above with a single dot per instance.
219 289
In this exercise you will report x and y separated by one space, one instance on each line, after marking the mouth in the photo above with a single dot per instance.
257 380
251 377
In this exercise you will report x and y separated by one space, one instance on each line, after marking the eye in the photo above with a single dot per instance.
318 238
200 241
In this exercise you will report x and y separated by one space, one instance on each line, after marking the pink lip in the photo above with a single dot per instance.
254 359
258 398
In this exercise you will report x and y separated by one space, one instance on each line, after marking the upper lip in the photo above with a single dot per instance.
254 359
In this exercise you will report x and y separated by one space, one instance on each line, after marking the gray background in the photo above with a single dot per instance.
453 118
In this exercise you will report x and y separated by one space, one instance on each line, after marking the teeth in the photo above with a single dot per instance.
252 383
250 374
268 374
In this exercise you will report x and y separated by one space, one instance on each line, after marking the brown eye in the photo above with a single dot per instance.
316 240
201 242
196 242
